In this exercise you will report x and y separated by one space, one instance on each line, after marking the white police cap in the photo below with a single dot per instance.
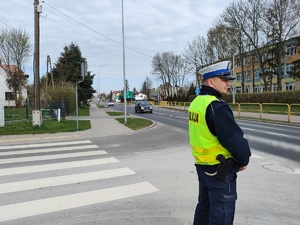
221 69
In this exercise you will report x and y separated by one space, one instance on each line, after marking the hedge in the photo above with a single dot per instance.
289 97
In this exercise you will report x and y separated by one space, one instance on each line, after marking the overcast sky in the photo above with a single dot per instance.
151 26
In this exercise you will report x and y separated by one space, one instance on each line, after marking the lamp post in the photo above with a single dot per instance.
99 82
124 76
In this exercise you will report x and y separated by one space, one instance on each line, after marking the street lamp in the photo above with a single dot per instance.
99 82
124 73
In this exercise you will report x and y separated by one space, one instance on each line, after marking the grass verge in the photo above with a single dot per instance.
135 123
48 126
116 113
132 123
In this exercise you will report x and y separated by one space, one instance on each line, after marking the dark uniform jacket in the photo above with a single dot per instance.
221 123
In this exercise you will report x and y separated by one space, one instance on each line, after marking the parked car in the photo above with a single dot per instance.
110 103
143 106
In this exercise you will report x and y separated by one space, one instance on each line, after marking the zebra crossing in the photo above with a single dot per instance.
21 167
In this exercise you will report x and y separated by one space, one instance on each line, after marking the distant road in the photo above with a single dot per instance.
281 140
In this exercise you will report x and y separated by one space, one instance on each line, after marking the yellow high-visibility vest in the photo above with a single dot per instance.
204 145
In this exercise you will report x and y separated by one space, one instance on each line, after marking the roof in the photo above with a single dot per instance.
11 68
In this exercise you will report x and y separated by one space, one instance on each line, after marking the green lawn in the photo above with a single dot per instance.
135 123
132 123
16 123
48 126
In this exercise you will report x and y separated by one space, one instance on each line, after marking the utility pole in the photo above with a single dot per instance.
37 11
36 113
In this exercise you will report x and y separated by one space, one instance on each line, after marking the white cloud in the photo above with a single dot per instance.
150 27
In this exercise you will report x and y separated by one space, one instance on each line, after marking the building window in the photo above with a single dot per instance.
289 86
289 67
257 88
265 57
239 77
275 87
9 96
247 77
247 89
257 75
291 50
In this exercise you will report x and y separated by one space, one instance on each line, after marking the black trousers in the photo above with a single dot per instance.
216 200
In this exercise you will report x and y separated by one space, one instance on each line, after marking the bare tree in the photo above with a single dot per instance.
283 21
219 43
247 17
197 55
237 41
15 49
146 87
171 69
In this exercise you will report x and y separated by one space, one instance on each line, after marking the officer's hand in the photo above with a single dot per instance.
243 168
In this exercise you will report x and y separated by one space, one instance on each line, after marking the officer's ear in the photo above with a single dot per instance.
210 82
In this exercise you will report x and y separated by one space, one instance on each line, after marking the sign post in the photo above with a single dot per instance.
83 73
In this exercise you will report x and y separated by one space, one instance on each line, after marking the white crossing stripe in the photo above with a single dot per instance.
51 144
42 206
56 166
256 156
63 180
49 157
45 150
296 171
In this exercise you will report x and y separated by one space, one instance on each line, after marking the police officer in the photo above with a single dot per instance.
218 147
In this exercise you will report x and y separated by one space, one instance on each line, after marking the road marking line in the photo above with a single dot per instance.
45 150
162 151
50 157
63 180
44 144
56 166
256 156
48 205
272 133
274 143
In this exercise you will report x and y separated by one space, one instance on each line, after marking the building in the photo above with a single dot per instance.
291 48
7 95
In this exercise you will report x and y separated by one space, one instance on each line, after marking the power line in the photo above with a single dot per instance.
5 22
82 24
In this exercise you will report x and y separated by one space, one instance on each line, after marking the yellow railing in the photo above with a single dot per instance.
242 107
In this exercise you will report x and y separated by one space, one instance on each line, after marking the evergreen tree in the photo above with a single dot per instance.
85 90
68 70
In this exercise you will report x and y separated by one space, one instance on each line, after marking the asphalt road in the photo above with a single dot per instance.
147 177
284 140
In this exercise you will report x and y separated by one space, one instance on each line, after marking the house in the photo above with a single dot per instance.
140 96
7 95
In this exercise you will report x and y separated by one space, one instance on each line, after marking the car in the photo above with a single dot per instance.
143 106
110 103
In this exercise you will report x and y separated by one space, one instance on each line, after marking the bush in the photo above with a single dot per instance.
289 97
64 93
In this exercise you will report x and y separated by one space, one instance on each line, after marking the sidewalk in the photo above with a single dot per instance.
101 125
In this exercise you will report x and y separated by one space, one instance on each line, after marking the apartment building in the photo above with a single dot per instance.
292 52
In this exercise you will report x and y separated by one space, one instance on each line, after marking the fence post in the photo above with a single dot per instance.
289 112
260 111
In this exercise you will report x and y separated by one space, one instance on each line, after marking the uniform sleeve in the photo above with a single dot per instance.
221 122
